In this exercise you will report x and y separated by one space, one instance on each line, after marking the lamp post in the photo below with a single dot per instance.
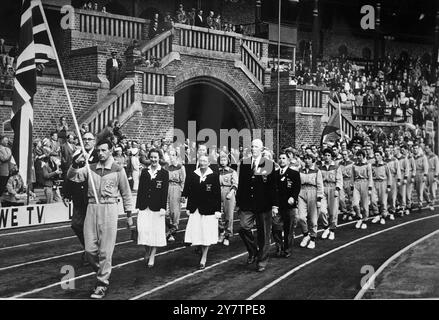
278 75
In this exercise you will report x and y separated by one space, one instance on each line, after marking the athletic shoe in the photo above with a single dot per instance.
376 219
363 226
383 221
325 233
99 292
226 242
407 212
431 208
305 241
358 224
350 218
344 217
221 238
171 238
391 217
331 235
311 244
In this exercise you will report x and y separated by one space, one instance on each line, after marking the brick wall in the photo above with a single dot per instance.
155 121
50 103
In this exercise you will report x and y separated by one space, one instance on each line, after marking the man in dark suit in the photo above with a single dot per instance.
288 185
257 200
199 20
113 66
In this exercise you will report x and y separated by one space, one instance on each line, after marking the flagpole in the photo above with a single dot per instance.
339 119
69 100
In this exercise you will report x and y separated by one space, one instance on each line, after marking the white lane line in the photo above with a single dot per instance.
372 279
207 268
50 240
67 255
289 273
55 228
88 275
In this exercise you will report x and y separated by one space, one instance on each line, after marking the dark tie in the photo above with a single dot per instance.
253 165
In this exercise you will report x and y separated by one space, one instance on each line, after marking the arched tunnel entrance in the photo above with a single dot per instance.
212 105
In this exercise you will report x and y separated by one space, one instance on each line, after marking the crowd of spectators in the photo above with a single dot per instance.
402 89
93 6
194 17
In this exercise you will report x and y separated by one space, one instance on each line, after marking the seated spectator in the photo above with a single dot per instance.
95 7
104 9
168 22
15 194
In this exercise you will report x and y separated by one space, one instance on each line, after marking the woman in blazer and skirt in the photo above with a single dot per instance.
151 202
203 191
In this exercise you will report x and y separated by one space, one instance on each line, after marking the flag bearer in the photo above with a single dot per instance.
100 225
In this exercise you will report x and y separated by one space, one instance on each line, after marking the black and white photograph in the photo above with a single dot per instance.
216 156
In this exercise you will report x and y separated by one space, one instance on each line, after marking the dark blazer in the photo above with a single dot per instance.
199 22
109 64
257 191
66 156
288 186
153 193
204 196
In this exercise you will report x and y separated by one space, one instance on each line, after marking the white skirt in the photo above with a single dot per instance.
151 228
201 230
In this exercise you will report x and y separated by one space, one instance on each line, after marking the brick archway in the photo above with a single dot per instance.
229 86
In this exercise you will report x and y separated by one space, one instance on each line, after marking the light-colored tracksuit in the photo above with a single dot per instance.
395 171
433 173
177 176
346 168
404 166
228 181
100 225
332 181
410 180
311 192
421 162
382 179
363 182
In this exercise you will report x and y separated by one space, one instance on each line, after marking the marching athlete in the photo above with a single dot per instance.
410 177
229 184
422 167
151 201
362 189
404 166
177 177
288 185
395 182
346 167
333 184
433 174
100 225
382 179
310 197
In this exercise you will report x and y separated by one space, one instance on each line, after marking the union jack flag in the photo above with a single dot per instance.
34 49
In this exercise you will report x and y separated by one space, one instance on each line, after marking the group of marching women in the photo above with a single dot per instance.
358 183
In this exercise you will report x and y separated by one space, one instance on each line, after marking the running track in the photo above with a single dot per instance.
31 260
